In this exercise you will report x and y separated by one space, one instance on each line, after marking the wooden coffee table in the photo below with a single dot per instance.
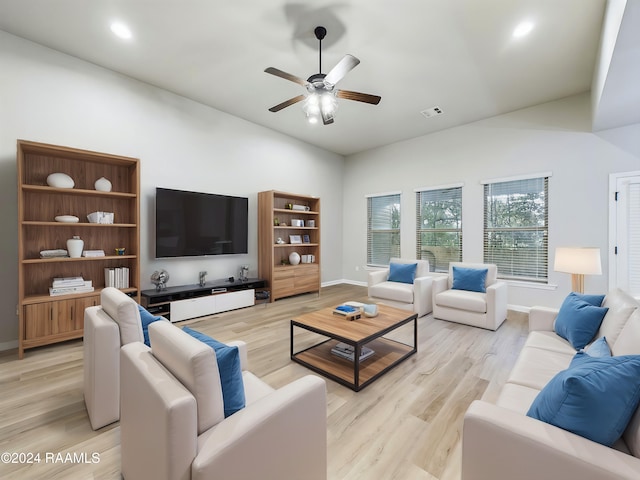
365 331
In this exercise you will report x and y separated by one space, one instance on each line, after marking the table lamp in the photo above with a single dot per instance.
578 261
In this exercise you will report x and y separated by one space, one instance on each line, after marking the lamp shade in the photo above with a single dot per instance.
580 260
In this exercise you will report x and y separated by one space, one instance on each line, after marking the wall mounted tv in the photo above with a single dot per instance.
197 224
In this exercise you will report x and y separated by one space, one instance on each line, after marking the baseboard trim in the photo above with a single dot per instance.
8 345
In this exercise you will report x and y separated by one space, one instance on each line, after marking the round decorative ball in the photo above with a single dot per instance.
294 258
103 185
60 180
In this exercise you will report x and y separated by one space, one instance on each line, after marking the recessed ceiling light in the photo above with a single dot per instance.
121 30
523 29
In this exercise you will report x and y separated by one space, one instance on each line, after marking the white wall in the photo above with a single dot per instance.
553 137
50 97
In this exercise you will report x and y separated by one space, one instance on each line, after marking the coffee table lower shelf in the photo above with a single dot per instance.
388 354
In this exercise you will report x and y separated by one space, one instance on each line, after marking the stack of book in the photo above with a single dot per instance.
116 277
347 351
69 286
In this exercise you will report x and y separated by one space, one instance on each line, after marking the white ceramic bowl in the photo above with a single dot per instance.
60 180
67 219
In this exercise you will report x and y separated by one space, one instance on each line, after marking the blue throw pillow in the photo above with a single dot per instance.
402 272
228 359
595 398
595 300
578 321
599 348
146 319
471 279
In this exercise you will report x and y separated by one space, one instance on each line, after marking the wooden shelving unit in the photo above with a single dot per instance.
46 319
274 210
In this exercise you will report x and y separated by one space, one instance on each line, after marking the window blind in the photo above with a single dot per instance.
383 229
516 228
633 231
439 227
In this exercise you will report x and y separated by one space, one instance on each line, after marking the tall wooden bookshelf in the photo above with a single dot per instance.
276 217
46 319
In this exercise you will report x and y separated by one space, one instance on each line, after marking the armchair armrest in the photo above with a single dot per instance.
377 276
529 449
496 304
440 284
422 295
288 423
542 318
101 348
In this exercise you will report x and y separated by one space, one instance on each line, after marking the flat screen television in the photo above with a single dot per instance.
198 224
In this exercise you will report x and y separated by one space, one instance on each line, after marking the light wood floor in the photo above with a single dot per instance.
406 425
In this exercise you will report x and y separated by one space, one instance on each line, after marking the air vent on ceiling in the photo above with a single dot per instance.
431 112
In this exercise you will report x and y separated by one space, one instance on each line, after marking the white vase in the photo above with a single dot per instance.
294 258
103 185
60 180
75 246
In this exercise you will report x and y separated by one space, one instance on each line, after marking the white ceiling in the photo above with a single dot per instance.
456 54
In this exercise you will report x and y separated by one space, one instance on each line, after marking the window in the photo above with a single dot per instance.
516 228
439 227
383 228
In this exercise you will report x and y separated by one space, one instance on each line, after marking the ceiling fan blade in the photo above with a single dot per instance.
286 76
344 66
286 103
359 97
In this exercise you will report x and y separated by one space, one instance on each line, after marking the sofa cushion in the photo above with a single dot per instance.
578 320
193 363
124 311
470 279
228 363
402 272
535 367
549 341
463 300
400 292
517 398
621 305
595 398
146 319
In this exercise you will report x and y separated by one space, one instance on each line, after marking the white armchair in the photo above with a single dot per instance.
415 296
108 326
172 425
486 310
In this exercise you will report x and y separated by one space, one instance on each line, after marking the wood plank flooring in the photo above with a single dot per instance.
404 426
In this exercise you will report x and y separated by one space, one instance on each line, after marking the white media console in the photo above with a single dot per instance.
191 301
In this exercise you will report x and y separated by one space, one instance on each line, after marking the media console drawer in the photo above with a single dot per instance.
201 306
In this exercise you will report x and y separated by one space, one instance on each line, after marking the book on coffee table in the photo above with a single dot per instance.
347 351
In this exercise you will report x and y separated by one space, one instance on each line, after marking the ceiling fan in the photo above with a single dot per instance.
321 98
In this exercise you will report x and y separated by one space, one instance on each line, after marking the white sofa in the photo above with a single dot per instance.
486 310
415 297
108 326
500 442
172 425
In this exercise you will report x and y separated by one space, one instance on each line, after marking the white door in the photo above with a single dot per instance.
627 233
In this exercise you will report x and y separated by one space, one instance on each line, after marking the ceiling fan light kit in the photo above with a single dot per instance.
321 100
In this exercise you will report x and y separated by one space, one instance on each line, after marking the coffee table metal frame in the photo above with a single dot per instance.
357 374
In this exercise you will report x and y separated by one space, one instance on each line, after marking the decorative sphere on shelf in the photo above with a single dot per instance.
294 258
